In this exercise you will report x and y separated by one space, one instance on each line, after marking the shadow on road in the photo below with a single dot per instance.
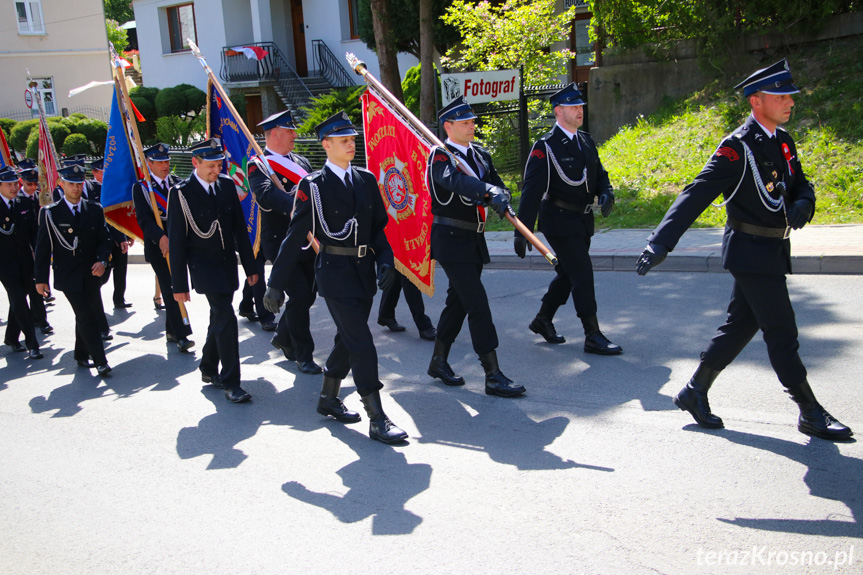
829 475
380 483
500 428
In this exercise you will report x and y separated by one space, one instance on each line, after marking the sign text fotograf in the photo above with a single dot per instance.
479 87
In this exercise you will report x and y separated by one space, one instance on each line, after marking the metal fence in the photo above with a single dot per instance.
94 112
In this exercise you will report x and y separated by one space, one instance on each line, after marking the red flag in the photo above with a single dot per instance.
397 156
48 176
5 158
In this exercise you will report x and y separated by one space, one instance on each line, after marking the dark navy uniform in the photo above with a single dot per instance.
562 179
17 236
59 230
350 228
458 245
293 331
35 299
766 194
175 328
205 234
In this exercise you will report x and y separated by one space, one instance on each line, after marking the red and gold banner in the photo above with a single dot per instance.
398 156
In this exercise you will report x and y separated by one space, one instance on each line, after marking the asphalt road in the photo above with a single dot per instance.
592 471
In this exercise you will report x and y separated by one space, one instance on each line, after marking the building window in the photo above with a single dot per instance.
45 87
30 17
181 25
354 14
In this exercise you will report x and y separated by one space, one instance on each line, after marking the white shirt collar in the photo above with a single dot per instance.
458 147
276 153
7 202
766 131
337 170
157 179
72 206
204 184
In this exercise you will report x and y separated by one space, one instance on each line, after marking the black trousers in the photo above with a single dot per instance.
173 318
20 319
120 266
37 305
759 302
253 296
466 297
223 340
413 297
87 306
294 327
354 349
574 276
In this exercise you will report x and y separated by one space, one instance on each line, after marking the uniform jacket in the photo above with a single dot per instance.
211 262
337 275
728 167
72 268
458 196
542 180
276 206
93 192
147 221
17 237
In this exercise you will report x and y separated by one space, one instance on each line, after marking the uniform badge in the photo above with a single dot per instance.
398 190
728 153
70 231
769 185
775 175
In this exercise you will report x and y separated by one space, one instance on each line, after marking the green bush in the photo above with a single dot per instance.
6 124
59 133
322 107
31 146
96 131
178 131
77 144
19 137
196 99
78 116
411 87
171 102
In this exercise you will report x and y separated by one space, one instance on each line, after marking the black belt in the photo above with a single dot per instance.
478 227
762 231
578 208
357 252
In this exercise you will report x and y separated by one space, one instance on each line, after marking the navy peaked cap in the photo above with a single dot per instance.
208 150
456 111
569 96
279 120
336 125
775 79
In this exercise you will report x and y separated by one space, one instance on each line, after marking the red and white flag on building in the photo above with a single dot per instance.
250 52
398 156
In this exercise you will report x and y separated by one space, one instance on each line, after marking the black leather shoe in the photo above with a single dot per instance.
249 315
104 370
544 327
599 344
237 395
286 349
309 367
380 427
184 345
392 324
85 363
496 383
428 334
439 367
16 346
158 305
334 407
106 336
814 420
170 338
121 305
212 380
46 329
34 354
694 401
268 325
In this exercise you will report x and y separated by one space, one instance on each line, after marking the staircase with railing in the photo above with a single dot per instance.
330 67
271 67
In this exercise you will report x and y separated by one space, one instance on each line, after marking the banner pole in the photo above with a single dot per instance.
360 68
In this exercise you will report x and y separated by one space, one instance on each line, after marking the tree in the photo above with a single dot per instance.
117 36
119 10
407 34
385 42
516 33
427 77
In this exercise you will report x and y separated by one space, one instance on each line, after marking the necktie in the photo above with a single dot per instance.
76 213
212 193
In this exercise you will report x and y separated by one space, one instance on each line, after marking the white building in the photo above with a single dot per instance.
64 45
297 28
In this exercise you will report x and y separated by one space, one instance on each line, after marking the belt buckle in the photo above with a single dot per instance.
787 233
480 228
361 251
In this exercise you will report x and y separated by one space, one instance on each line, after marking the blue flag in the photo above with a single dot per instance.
120 175
238 149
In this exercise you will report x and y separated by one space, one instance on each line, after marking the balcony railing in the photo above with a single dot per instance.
330 67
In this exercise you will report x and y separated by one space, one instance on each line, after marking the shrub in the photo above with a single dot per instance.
411 89
171 102
7 124
322 107
21 133
59 133
31 146
96 131
77 144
